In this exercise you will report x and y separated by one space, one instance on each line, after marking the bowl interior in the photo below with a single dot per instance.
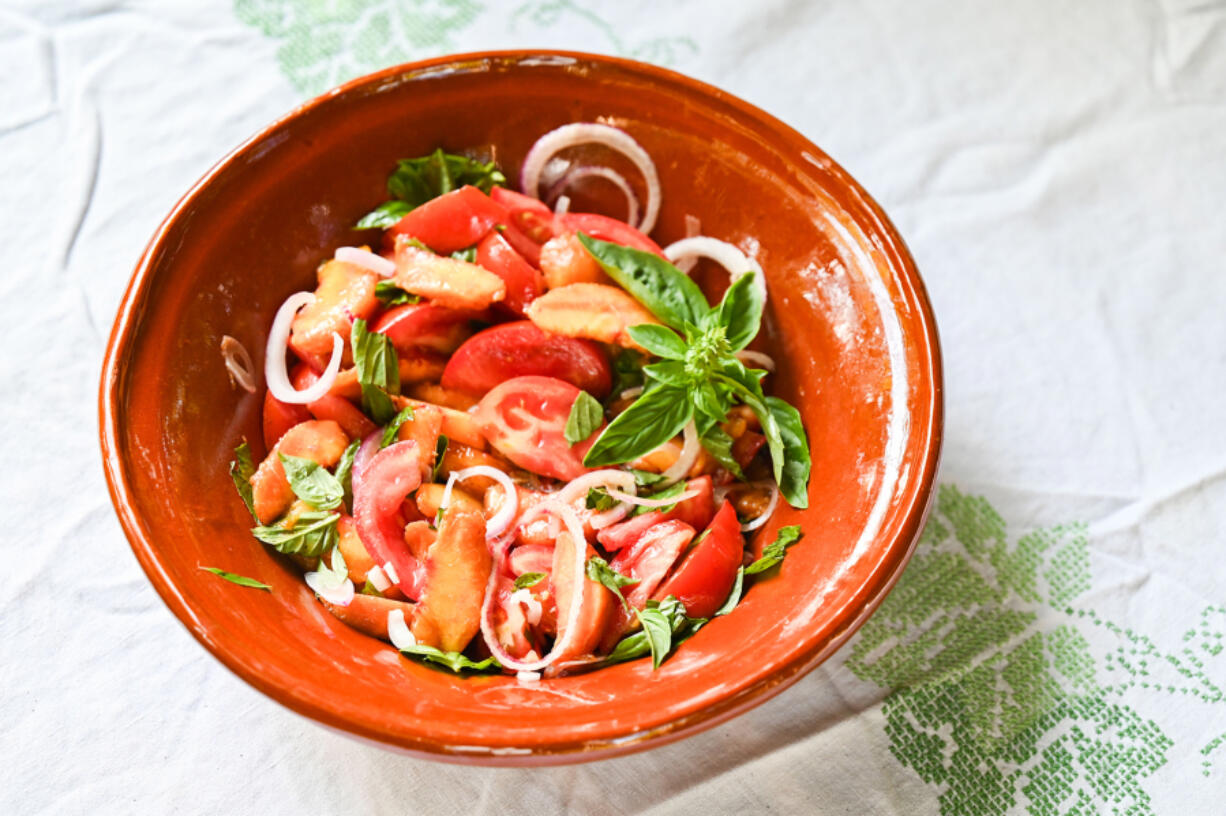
847 323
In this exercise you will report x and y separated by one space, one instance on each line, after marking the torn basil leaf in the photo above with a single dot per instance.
389 294
440 450
393 428
385 215
312 483
456 661
344 472
586 414
734 594
773 553
241 471
598 499
599 570
529 579
378 371
311 534
241 580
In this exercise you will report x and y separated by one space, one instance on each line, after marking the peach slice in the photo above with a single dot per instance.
446 281
321 441
592 310
457 568
345 293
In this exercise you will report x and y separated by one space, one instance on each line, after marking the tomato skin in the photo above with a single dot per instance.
528 249
391 475
531 216
451 222
648 561
603 228
524 419
695 511
705 575
524 282
415 326
519 349
279 417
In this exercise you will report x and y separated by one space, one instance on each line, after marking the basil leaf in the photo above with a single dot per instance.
586 414
734 594
669 372
332 576
654 418
440 450
344 471
740 312
241 580
637 644
529 579
666 291
312 483
311 534
718 443
393 428
645 478
599 499
370 589
627 371
599 570
708 404
416 181
667 493
389 294
456 661
794 484
241 471
772 554
468 255
378 369
384 216
660 341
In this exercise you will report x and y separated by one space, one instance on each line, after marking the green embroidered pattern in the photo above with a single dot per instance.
997 698
547 14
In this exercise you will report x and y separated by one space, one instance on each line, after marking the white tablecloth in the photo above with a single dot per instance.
1059 170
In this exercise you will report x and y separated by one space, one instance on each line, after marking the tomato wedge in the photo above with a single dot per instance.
603 228
647 561
336 408
525 417
416 326
530 215
524 282
453 221
519 349
695 511
279 417
704 577
391 475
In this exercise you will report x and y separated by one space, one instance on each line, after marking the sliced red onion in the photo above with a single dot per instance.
599 521
693 228
631 392
593 133
766 514
339 593
238 363
689 455
618 180
723 253
575 529
653 503
578 487
562 205
378 578
756 358
366 259
500 522
275 374
390 572
366 452
398 630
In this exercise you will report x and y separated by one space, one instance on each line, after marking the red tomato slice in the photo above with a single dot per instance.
279 417
704 577
604 228
424 326
647 561
695 511
530 215
451 222
524 282
334 407
530 250
531 558
524 418
391 475
519 349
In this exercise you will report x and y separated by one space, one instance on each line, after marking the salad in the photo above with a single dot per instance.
509 437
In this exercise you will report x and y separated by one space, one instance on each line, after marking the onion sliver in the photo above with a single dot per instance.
618 180
693 228
562 205
500 522
378 578
653 503
238 363
532 607
366 452
608 477
757 358
575 529
339 594
367 260
766 514
398 630
593 133
630 393
689 455
722 252
275 374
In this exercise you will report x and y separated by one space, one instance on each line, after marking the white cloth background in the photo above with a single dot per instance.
1058 169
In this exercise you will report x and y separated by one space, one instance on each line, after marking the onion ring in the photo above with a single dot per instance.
367 260
689 455
723 253
616 178
275 374
238 363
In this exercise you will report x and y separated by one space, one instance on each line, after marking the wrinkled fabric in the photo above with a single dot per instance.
1059 172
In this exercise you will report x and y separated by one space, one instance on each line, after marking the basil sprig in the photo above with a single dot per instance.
312 483
599 570
241 580
456 661
773 553
416 181
344 472
389 294
665 625
310 534
378 369
698 376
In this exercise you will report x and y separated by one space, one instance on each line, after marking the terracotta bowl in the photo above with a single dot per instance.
848 322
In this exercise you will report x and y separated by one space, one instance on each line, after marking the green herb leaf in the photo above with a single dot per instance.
312 483
393 427
389 294
740 312
666 291
456 661
344 472
468 255
586 414
627 371
718 443
598 499
772 554
734 595
312 534
667 493
654 418
645 478
385 215
241 580
333 575
792 467
660 341
370 589
440 450
599 570
378 369
241 471
659 632
529 579
637 644
670 372
416 181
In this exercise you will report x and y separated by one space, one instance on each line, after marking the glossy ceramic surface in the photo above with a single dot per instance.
848 322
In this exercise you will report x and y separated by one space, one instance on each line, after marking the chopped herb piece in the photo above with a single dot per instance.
344 472
389 294
440 450
241 580
773 553
586 414
599 570
734 595
667 493
598 498
378 369
529 579
455 661
312 483
311 534
393 427
241 471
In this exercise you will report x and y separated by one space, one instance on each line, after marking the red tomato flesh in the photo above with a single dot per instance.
647 561
336 408
695 511
416 326
531 216
524 419
520 349
391 475
279 417
524 282
704 577
603 228
451 222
